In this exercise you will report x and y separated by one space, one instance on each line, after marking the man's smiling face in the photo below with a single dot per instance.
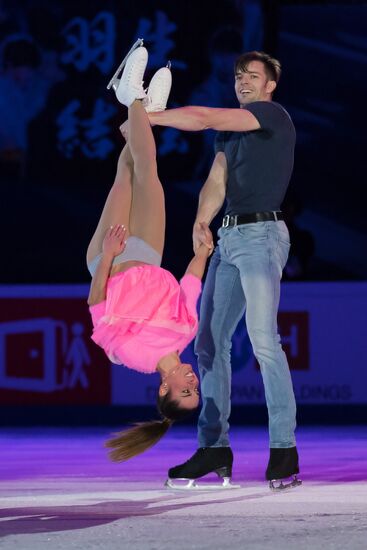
253 84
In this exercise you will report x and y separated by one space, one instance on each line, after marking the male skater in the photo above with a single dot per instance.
251 170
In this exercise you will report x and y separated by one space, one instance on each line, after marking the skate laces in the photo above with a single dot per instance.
129 80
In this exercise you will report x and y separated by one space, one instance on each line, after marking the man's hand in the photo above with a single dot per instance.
204 251
114 241
202 235
204 247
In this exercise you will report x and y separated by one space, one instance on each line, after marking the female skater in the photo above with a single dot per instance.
141 316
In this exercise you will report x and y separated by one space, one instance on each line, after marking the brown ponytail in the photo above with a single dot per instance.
142 436
136 440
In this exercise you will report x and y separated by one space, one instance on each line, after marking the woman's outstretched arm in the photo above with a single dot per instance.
197 265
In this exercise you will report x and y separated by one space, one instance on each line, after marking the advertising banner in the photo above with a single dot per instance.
324 335
47 356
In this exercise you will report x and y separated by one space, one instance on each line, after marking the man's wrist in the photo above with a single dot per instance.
197 225
203 219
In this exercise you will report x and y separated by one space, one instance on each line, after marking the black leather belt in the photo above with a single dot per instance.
239 219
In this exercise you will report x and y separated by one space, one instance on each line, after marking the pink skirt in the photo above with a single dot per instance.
146 315
147 293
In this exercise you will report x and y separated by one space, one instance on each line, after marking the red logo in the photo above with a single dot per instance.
294 333
47 356
293 328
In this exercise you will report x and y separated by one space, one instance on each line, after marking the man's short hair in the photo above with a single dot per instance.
272 66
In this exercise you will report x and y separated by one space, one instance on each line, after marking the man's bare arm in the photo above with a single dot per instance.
202 118
213 192
211 198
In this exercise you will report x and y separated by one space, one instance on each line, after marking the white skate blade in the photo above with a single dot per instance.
194 485
295 482
114 79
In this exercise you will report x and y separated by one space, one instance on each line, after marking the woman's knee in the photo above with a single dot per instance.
125 156
145 173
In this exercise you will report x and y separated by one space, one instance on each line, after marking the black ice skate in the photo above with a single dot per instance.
282 469
206 460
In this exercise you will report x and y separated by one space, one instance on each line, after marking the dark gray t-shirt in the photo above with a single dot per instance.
259 162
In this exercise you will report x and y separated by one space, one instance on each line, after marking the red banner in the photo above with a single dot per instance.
47 356
294 332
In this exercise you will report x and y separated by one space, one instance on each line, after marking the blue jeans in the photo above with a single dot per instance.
244 276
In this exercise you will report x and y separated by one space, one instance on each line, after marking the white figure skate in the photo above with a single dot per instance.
158 90
114 82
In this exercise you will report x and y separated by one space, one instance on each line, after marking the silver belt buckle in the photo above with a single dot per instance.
225 222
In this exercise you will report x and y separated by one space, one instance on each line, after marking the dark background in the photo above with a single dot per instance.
59 138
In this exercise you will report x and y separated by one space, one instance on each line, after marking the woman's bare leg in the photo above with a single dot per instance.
147 216
118 204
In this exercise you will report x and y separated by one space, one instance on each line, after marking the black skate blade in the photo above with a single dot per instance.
114 79
186 484
283 486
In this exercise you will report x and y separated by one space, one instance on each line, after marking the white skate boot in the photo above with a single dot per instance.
115 79
158 91
130 86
